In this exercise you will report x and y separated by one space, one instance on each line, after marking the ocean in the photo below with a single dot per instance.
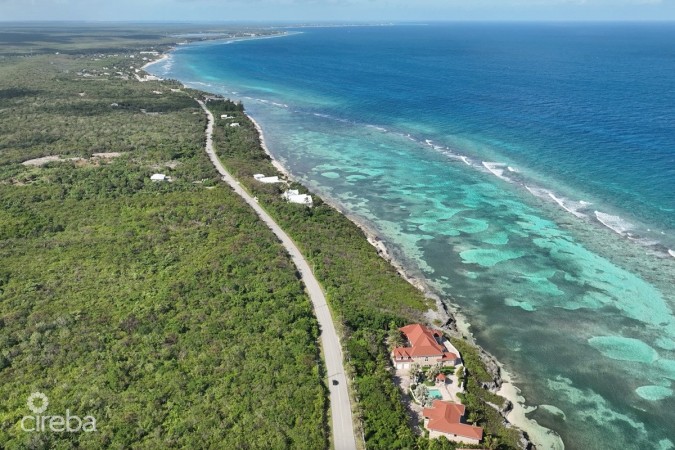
525 171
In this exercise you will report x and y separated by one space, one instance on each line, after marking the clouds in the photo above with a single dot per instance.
304 10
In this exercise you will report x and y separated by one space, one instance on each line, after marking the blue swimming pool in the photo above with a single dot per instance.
435 393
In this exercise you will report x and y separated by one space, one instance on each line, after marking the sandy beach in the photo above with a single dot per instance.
162 57
541 437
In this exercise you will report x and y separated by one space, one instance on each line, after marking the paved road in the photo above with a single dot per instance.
341 411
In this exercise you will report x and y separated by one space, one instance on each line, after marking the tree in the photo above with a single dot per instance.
421 394
491 442
394 336
460 376
433 371
415 371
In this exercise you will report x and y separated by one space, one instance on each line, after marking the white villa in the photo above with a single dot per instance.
234 124
159 177
269 180
294 196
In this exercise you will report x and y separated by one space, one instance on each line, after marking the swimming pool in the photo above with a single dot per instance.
435 393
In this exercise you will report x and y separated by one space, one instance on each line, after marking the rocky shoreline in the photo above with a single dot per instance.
442 316
452 327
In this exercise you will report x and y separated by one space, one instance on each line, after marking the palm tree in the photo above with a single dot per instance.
394 338
414 372
421 394
491 442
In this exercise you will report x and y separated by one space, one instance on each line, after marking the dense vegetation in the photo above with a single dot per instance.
167 311
366 294
482 402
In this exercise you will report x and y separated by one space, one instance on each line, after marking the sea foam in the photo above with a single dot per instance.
497 169
614 223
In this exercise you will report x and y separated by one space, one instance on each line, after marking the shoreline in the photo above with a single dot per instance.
452 321
450 318
162 57
216 40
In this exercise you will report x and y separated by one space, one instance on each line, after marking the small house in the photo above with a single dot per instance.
293 196
158 177
269 180
447 419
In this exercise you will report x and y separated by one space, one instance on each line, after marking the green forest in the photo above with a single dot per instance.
167 310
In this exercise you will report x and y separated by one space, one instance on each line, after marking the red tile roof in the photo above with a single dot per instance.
446 417
422 342
447 356
440 377
402 353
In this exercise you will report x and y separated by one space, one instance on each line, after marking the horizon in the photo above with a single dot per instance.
330 23
337 11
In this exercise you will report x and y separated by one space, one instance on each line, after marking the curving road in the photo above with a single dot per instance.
341 411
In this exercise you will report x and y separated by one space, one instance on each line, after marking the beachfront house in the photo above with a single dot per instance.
263 179
234 124
293 196
447 419
158 177
225 116
425 347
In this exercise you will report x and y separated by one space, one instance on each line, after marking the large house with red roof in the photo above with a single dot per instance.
446 419
426 347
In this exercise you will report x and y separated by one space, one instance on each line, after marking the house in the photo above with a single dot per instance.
263 179
234 124
293 196
446 419
225 116
425 347
158 177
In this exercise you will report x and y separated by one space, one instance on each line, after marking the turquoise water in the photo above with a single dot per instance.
526 172
435 393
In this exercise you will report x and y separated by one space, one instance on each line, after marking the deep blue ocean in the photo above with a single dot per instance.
525 171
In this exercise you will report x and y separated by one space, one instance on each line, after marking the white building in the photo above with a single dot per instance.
234 124
263 179
158 177
293 196
225 116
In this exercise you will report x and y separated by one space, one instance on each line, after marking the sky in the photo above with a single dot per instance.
335 10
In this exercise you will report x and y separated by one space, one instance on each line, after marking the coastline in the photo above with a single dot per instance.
162 57
216 40
453 322
445 316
